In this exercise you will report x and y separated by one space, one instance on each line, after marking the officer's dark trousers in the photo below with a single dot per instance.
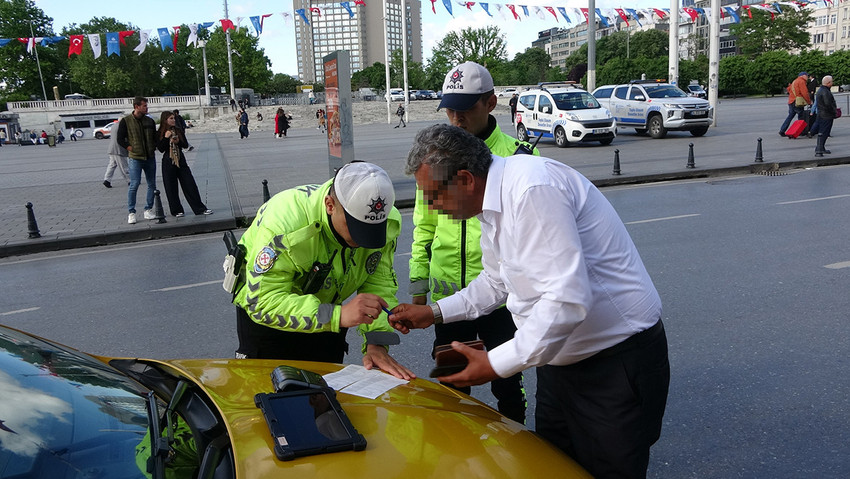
606 411
262 342
493 329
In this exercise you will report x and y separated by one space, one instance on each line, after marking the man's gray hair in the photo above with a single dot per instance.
826 80
448 149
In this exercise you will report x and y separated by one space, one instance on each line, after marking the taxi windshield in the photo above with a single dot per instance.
664 91
575 100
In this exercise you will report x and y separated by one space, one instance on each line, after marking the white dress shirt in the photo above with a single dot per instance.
556 252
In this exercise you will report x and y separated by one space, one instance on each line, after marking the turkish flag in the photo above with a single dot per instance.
125 34
227 24
76 47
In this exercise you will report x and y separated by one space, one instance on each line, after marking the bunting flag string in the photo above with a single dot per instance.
577 16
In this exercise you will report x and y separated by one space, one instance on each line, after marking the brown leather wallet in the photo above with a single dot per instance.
448 361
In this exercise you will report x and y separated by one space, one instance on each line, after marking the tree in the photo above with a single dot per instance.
732 75
373 76
765 32
768 73
250 64
415 73
694 70
485 46
22 81
527 68
281 83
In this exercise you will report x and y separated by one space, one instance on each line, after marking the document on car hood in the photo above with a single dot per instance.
359 381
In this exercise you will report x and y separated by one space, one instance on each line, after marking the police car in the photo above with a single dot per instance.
64 413
566 112
655 106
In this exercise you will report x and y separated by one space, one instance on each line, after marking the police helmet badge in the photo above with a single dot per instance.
372 262
265 260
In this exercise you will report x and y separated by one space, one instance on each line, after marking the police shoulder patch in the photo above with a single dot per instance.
265 260
372 262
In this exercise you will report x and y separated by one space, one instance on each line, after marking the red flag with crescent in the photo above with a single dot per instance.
361 2
433 3
512 8
584 11
76 47
125 34
316 10
227 24
622 15
659 12
469 5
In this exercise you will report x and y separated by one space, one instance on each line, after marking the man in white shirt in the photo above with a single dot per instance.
587 314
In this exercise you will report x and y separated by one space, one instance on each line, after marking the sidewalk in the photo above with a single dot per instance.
73 209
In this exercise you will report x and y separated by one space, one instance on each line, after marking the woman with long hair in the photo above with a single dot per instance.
171 142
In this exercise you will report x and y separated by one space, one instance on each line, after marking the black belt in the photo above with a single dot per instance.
632 342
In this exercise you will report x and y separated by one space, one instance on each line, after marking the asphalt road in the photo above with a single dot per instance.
752 271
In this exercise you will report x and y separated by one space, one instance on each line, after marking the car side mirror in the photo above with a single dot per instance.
640 98
547 109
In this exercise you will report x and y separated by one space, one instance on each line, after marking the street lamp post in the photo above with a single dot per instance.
229 56
203 45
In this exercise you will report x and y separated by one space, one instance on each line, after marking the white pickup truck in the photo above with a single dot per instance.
655 107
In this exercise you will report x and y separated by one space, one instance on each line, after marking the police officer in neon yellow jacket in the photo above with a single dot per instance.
446 254
308 249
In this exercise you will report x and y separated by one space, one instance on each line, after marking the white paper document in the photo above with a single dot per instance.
359 381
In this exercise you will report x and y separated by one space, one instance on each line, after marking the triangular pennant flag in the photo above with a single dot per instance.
563 12
51 40
287 17
30 42
660 13
125 34
552 11
485 7
176 37
731 12
94 42
347 7
634 15
622 14
5 41
193 35
691 13
584 12
434 6
255 20
205 25
113 45
227 24
144 35
359 2
539 12
303 15
602 18
76 47
448 5
165 39
512 8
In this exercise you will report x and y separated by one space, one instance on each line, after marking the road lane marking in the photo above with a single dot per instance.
20 311
185 286
843 264
661 219
813 199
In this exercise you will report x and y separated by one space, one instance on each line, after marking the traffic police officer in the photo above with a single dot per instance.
446 253
308 249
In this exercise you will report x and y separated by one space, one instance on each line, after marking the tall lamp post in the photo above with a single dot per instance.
203 45
229 55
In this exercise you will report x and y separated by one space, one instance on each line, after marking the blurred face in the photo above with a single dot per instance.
141 109
171 121
334 208
475 119
453 197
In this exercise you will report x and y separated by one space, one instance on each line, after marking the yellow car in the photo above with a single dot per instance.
67 414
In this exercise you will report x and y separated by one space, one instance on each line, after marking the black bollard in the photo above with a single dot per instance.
691 156
159 214
32 226
616 162
759 156
266 195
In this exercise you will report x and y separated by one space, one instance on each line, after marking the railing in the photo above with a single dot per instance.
99 103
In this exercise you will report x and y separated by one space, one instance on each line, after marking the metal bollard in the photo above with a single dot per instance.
159 214
759 155
266 195
616 162
691 156
32 226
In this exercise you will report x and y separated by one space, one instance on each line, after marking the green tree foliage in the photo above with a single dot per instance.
373 76
527 68
416 78
769 72
762 33
282 83
694 70
732 75
20 70
250 64
485 46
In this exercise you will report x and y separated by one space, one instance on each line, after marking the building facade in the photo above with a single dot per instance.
362 35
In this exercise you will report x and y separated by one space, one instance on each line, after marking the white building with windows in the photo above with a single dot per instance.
361 35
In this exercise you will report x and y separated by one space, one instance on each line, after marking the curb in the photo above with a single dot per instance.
57 243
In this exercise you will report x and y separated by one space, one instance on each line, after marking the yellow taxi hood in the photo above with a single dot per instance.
416 430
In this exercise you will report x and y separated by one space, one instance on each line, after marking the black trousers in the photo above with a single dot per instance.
606 411
493 329
171 176
262 342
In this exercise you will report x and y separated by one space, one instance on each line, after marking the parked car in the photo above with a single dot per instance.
567 112
426 95
655 106
77 96
507 92
396 94
694 89
70 414
105 131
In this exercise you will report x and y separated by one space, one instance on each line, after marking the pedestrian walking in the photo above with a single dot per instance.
117 161
2 136
281 123
171 142
243 125
827 113
798 98
512 103
400 114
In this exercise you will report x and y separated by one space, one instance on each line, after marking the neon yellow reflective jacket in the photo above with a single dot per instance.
291 232
446 253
